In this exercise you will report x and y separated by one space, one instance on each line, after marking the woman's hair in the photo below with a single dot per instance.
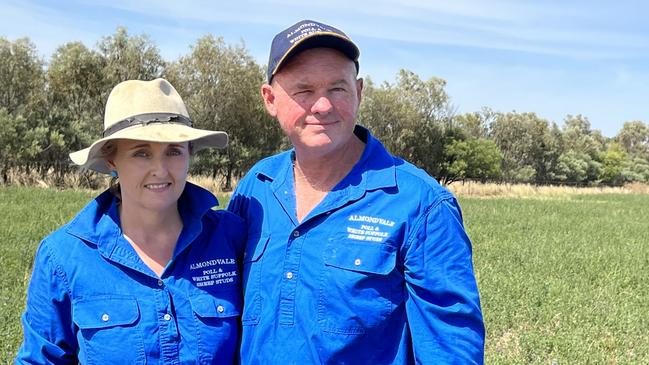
108 151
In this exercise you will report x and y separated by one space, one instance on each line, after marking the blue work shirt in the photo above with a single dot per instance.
92 299
380 272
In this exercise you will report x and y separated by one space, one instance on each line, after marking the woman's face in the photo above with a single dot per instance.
152 175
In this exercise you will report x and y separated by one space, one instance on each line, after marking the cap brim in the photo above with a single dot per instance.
90 158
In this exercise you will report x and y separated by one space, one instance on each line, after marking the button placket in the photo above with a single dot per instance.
290 271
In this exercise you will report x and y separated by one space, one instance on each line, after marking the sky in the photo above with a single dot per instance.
553 58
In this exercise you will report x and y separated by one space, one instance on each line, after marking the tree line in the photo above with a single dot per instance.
48 109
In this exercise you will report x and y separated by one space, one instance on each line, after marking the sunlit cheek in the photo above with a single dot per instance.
291 117
346 109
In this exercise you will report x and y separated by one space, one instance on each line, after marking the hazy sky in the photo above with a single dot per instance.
549 57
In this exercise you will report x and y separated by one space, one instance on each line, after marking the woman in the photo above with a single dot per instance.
147 272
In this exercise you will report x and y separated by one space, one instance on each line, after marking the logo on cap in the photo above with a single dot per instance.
304 35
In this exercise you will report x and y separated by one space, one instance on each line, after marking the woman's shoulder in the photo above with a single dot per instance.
65 242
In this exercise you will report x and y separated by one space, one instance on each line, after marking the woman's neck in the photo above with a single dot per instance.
153 234
148 222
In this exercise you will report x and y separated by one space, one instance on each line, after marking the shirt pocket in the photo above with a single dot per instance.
216 315
357 287
108 330
252 274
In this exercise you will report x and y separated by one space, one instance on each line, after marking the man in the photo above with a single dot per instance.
354 256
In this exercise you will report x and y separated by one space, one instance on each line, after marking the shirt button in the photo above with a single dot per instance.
167 317
220 309
105 317
289 275
160 282
296 233
357 262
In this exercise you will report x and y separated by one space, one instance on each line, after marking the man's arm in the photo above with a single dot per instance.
442 305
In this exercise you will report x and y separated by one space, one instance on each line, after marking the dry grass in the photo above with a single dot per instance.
492 190
93 181
211 184
78 180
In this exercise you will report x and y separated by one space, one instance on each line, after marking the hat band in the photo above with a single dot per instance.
146 119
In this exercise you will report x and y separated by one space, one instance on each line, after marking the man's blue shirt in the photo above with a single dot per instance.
380 272
92 299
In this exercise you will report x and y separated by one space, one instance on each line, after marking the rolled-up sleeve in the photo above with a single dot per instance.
47 322
443 304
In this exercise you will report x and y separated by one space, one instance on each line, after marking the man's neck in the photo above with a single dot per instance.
322 170
315 175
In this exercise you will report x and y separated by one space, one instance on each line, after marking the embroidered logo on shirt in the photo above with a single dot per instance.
214 272
369 229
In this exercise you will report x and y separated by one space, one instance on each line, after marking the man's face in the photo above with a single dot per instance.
315 98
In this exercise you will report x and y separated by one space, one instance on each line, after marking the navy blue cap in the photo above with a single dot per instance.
304 35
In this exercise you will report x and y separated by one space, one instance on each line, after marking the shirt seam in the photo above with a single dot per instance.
58 270
419 223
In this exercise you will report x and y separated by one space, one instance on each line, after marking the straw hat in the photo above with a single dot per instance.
146 111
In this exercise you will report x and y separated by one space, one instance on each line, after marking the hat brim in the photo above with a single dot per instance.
90 158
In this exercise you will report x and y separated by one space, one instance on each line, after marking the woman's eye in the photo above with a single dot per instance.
175 152
140 154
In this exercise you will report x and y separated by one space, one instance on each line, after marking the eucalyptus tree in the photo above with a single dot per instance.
220 85
127 57
475 124
472 158
22 105
522 139
76 92
634 138
412 117
21 76
583 149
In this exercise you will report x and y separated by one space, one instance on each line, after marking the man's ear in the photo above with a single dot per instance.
359 89
269 99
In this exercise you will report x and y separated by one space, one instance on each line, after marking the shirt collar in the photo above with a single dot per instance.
376 165
374 170
98 222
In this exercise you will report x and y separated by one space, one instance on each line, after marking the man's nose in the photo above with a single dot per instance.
322 106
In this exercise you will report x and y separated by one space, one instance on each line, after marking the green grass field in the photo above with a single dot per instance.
563 280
